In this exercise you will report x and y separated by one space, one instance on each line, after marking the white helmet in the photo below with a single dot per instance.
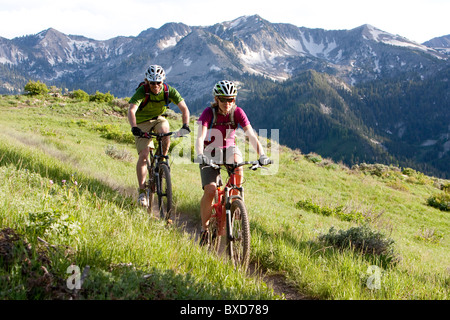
225 88
155 73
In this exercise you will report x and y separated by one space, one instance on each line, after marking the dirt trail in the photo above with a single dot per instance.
276 281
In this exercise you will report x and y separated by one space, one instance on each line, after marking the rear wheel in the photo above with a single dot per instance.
238 248
164 192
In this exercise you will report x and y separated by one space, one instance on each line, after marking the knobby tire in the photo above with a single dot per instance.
238 249
165 192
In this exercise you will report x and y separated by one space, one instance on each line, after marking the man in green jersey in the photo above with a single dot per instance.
149 117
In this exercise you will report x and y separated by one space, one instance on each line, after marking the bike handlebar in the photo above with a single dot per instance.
254 164
148 135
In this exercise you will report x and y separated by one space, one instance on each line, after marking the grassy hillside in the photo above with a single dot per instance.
383 121
68 188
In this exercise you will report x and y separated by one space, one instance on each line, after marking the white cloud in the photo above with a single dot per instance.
417 20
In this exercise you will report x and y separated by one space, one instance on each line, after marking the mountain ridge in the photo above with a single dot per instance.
379 76
252 45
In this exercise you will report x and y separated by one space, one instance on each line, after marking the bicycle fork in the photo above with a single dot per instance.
228 220
228 215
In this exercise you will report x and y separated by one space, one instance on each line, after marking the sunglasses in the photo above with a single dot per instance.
222 99
155 83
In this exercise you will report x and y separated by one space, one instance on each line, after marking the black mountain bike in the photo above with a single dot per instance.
159 180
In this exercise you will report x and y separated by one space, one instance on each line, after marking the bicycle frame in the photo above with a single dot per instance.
229 212
158 164
155 160
224 199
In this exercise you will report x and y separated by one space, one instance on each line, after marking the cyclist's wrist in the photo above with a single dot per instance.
186 127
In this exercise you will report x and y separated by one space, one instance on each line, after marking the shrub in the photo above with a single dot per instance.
313 157
115 153
429 235
55 91
416 177
409 172
52 223
440 201
340 211
120 106
364 240
101 97
36 88
376 169
112 132
80 95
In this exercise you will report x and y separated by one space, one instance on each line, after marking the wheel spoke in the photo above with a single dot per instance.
165 192
239 246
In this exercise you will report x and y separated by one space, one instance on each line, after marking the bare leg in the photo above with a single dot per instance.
141 168
206 204
164 128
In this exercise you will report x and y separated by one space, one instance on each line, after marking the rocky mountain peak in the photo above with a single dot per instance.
247 44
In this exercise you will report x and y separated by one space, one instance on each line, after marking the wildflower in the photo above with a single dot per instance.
75 183
64 181
51 182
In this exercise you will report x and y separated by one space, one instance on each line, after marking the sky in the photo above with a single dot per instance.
416 20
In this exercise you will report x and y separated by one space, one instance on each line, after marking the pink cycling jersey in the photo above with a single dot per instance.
227 131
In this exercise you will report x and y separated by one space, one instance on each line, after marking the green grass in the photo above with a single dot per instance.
132 256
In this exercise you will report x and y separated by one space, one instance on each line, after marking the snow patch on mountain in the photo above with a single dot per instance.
237 22
318 49
187 62
378 35
295 44
167 43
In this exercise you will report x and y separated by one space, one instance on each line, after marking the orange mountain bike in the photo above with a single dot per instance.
229 220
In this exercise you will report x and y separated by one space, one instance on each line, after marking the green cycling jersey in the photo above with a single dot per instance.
156 105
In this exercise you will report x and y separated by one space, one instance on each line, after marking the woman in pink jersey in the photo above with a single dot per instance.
216 141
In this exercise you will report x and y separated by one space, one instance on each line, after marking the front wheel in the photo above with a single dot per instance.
238 247
164 192
150 189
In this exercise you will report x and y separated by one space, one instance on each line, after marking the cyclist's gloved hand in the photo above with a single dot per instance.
264 160
202 159
185 130
136 131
